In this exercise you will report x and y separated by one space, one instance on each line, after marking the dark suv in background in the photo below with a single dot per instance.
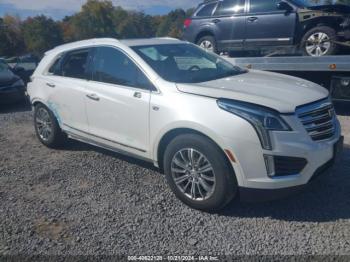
247 25
12 87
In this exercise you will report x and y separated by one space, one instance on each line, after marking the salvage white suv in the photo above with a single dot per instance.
216 130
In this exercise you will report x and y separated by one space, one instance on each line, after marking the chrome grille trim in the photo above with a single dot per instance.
316 127
315 119
318 110
318 119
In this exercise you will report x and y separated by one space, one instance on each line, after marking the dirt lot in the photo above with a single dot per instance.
84 200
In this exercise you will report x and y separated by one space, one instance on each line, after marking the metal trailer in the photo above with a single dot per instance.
332 72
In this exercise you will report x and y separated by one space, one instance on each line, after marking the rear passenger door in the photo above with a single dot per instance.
118 100
66 80
269 26
229 21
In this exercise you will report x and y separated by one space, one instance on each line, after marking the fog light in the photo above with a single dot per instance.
345 82
280 166
270 165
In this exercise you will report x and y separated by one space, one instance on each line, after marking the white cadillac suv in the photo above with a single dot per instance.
216 130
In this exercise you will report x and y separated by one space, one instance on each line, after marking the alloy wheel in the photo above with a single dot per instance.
193 174
44 124
207 45
318 44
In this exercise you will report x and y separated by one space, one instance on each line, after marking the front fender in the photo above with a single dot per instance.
188 126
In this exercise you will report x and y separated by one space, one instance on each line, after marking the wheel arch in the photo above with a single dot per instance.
205 32
169 135
50 106
321 21
37 101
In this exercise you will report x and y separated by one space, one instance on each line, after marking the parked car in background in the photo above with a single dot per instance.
12 87
251 25
24 66
216 130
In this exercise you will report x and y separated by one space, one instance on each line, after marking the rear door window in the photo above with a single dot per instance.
207 10
230 7
75 64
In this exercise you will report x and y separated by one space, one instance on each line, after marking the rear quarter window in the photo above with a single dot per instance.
55 68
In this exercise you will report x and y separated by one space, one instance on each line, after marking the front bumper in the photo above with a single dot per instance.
260 195
250 167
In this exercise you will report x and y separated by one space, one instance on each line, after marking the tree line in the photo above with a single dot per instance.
96 19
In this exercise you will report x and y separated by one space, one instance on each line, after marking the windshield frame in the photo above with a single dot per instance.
235 70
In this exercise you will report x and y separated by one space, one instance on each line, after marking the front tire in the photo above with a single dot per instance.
199 173
319 41
47 128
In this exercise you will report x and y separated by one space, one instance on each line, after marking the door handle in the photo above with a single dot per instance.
93 97
137 94
215 21
50 85
252 19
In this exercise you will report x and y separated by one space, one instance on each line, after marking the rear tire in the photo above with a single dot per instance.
47 128
319 42
208 43
211 176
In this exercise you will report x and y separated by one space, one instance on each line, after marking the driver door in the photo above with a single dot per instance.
269 26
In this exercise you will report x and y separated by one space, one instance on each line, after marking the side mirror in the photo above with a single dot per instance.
284 6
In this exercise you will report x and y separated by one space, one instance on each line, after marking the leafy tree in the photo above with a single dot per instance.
131 24
41 34
11 40
172 24
94 20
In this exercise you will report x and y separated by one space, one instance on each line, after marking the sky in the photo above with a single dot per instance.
57 9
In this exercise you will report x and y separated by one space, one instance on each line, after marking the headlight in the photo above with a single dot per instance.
261 118
18 83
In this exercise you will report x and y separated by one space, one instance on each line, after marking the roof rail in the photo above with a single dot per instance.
87 41
94 40
166 37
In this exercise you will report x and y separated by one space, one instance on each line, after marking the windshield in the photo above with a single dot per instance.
186 63
3 66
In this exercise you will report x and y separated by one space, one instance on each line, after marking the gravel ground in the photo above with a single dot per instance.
84 200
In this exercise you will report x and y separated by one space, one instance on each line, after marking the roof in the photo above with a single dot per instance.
150 41
128 42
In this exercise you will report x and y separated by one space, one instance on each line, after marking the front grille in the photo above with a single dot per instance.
318 119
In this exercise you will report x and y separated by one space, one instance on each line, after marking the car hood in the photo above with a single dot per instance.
280 92
7 78
338 8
